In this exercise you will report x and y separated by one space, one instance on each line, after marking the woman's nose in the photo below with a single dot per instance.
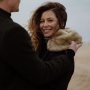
45 23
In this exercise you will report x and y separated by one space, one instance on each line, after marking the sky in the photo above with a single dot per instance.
78 14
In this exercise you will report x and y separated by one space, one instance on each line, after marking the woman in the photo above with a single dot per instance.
51 40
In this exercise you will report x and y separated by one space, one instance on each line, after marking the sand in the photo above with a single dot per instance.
81 77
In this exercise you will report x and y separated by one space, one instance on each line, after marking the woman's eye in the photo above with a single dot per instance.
50 20
41 21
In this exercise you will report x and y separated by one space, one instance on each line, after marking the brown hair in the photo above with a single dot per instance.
34 22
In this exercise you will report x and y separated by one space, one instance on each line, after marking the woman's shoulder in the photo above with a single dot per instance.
59 54
62 39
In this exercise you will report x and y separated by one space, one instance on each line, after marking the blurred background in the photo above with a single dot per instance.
78 19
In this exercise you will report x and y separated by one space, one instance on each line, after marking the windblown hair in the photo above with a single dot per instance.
33 26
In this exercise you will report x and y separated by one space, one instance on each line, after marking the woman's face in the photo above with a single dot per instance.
49 24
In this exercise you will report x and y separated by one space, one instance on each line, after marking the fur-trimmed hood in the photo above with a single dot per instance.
61 40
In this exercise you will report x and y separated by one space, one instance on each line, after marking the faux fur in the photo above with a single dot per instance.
61 40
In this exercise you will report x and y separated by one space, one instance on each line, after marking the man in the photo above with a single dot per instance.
20 68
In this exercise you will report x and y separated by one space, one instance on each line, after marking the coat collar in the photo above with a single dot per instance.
61 40
4 14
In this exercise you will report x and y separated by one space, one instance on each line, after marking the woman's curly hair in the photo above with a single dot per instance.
34 22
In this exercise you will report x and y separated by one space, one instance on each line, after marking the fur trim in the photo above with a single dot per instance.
61 40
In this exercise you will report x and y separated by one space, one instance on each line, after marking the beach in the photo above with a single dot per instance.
81 77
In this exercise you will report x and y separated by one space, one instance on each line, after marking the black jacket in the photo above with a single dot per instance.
61 83
20 68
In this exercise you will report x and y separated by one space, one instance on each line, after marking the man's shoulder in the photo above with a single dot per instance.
10 24
13 24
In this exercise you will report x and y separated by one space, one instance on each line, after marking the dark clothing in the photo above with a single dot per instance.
20 68
62 82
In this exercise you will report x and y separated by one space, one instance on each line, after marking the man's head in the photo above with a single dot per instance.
10 5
